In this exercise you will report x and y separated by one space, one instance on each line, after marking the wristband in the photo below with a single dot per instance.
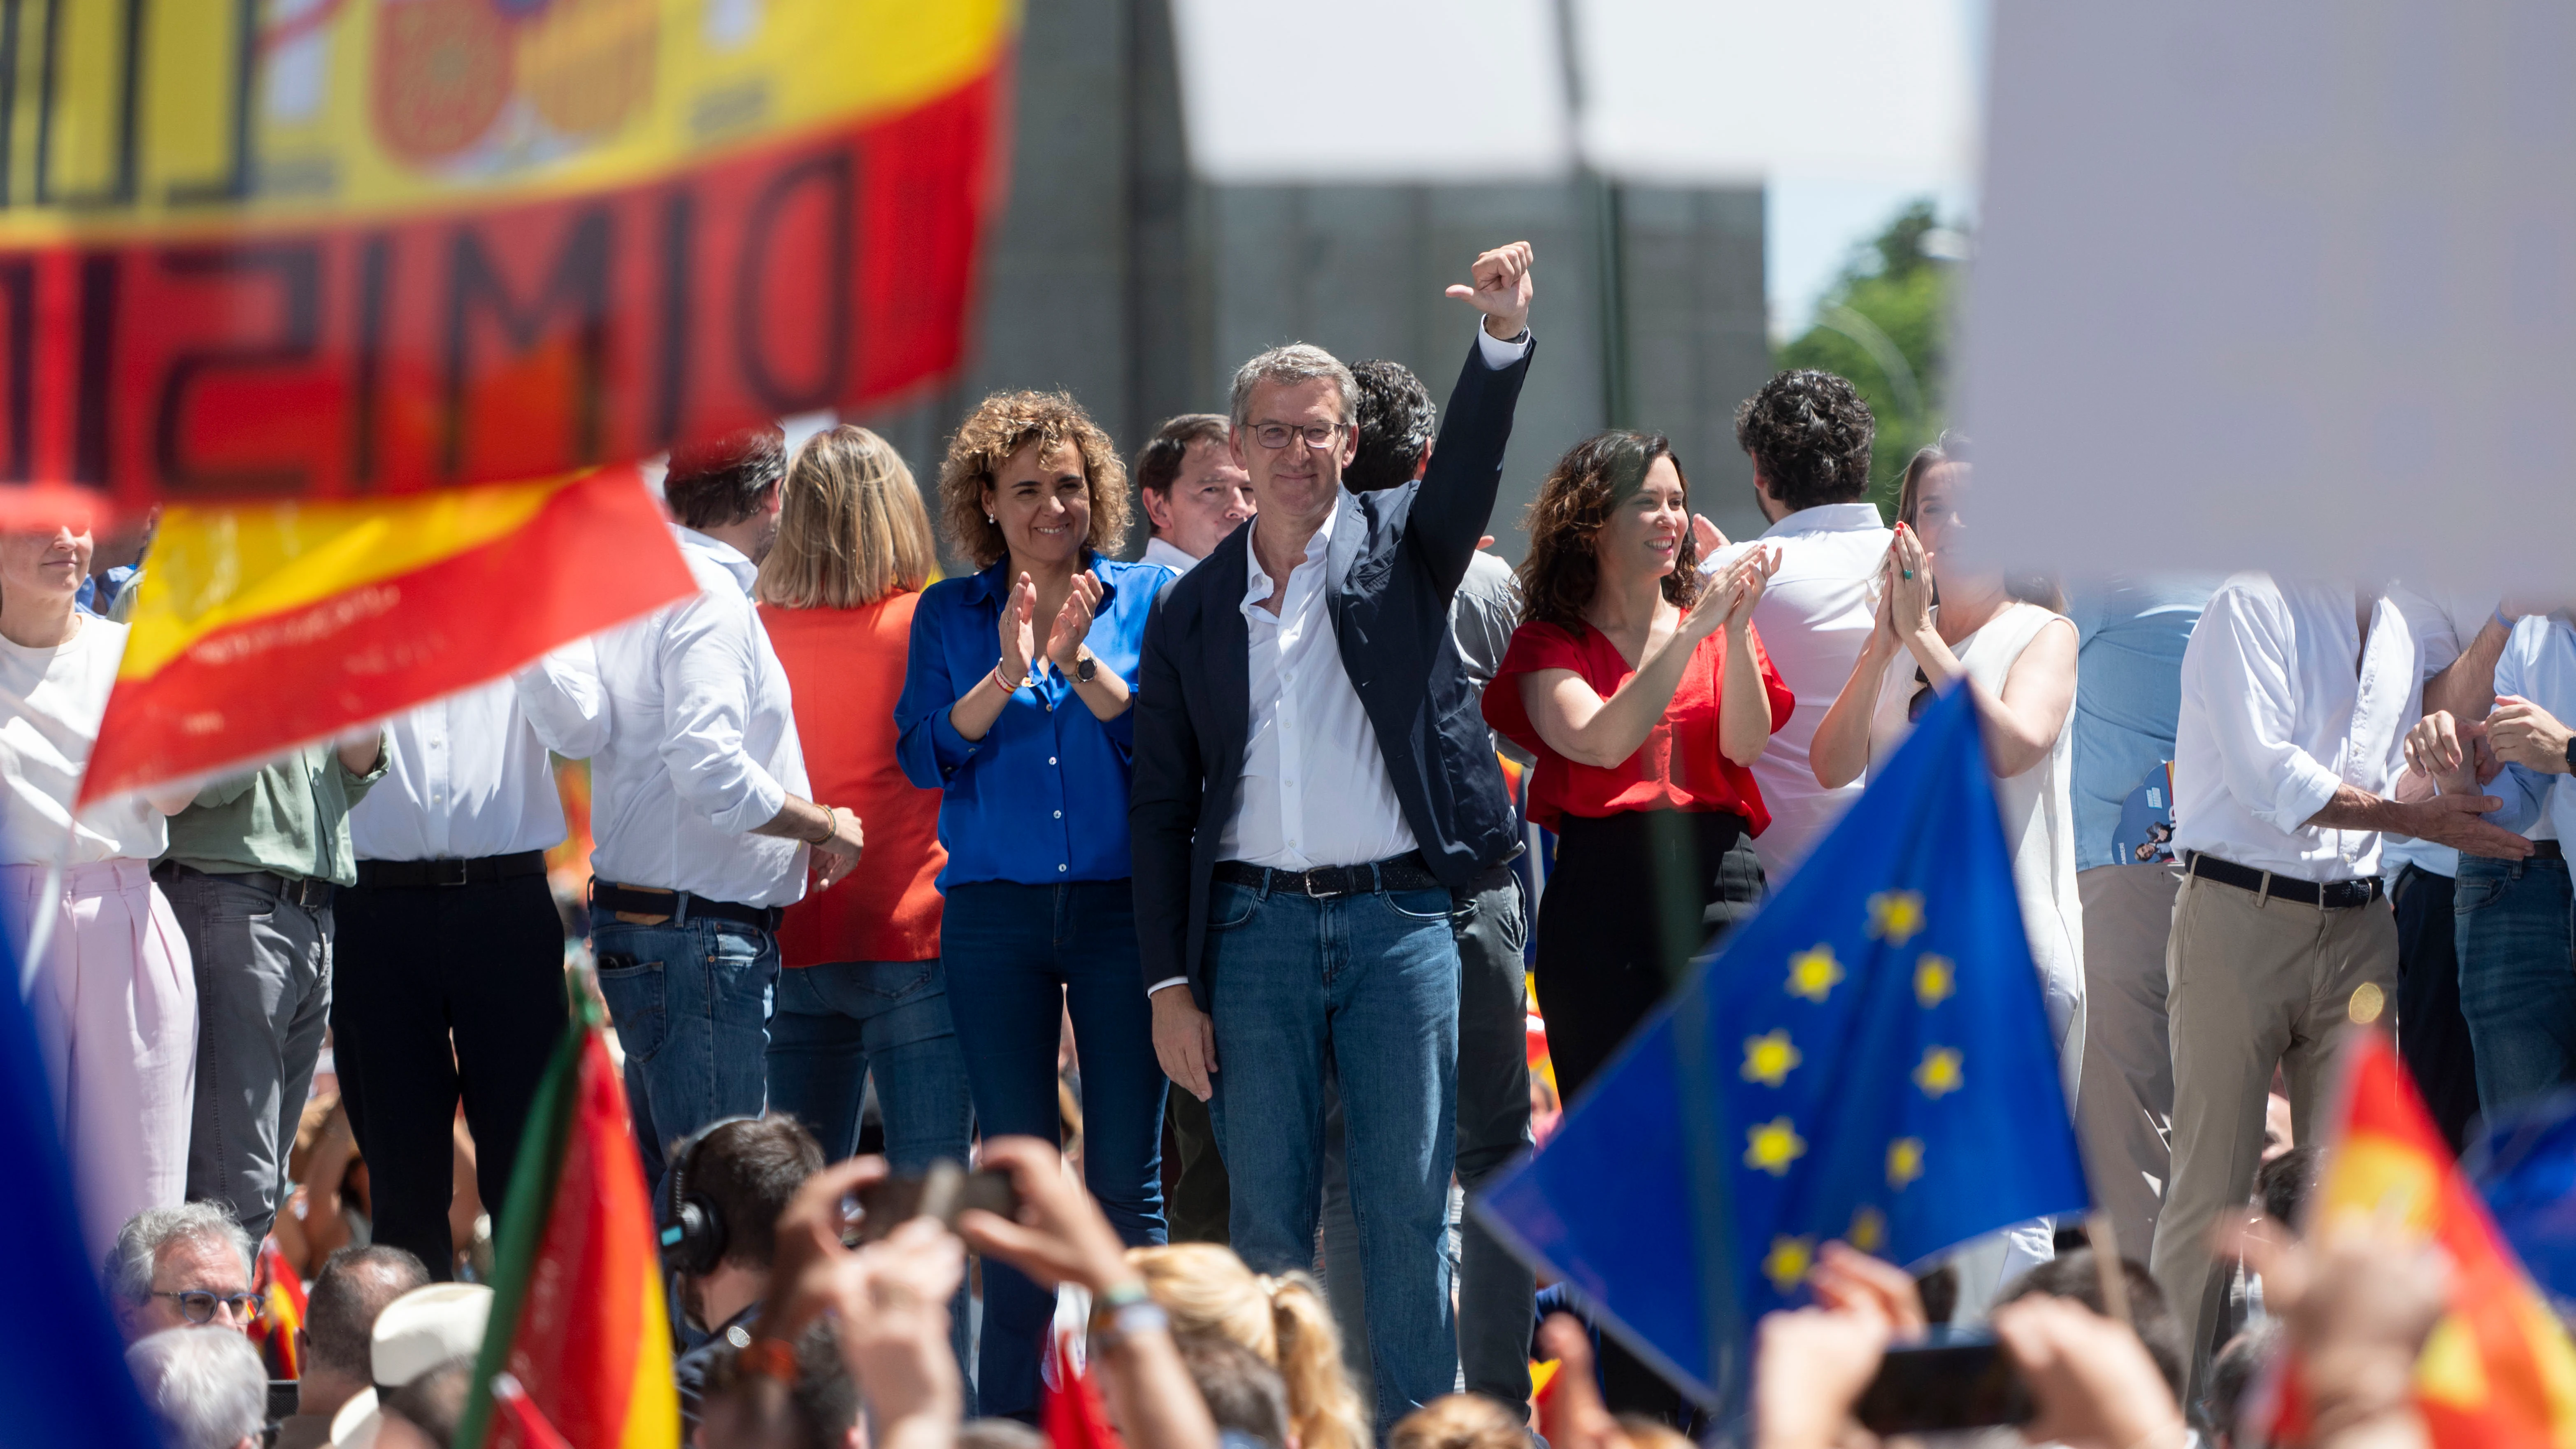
831 824
1107 1303
1007 686
1127 1321
2501 619
768 1358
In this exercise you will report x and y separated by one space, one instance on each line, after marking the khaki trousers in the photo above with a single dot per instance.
2124 1113
2252 983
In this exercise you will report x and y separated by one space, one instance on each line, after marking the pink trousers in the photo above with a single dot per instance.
115 1003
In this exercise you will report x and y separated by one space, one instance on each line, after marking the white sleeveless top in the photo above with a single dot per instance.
2038 817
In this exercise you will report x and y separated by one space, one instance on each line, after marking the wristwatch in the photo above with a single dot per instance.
2571 754
1084 667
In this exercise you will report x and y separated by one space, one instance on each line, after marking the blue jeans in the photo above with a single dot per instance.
691 1001
1373 981
1018 957
2517 975
839 1021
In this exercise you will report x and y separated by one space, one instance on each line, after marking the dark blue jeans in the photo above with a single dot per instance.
1370 981
2517 975
691 1001
1018 957
838 1022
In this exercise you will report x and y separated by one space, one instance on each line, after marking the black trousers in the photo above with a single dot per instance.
444 993
1632 898
2432 1035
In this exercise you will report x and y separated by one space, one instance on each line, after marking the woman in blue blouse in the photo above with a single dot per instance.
1015 705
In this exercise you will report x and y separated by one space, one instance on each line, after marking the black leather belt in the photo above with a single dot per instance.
481 870
2547 850
296 890
1395 873
2333 895
608 895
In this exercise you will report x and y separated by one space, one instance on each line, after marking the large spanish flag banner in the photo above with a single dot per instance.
577 1314
2498 1371
350 252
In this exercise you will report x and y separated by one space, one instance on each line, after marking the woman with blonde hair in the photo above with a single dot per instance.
1206 1289
862 991
1016 708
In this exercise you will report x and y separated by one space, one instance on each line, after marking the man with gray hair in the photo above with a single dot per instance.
1312 782
206 1387
179 1267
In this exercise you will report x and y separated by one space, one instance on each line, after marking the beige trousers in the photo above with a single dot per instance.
2124 1113
2252 983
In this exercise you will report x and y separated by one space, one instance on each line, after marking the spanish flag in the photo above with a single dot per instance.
281 1295
263 626
578 1319
2498 1371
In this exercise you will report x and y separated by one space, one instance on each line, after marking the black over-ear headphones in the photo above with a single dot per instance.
693 1230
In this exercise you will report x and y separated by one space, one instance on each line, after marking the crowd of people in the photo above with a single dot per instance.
1232 821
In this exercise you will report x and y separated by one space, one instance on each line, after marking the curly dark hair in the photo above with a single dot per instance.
1396 418
1001 425
716 481
1561 569
1808 434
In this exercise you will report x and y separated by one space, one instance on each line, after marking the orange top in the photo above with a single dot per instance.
845 667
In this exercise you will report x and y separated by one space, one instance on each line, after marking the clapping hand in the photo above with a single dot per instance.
1909 585
1073 622
2525 734
1019 633
1502 290
1744 584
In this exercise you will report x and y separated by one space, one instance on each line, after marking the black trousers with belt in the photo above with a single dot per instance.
445 993
1632 897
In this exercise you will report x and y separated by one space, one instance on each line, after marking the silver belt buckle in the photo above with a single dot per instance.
1313 894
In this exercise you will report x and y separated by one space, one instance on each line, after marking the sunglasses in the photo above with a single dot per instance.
1922 699
198 1306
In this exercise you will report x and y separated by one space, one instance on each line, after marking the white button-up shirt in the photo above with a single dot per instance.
1315 789
2276 717
699 742
1161 550
466 777
1814 617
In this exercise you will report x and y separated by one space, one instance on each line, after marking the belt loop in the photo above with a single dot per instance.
1377 877
2263 897
680 908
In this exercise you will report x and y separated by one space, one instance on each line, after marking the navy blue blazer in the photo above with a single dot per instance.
1398 556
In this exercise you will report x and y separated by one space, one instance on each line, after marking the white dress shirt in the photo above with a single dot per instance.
466 777
2444 624
1813 617
1160 550
54 699
2276 717
695 741
1315 789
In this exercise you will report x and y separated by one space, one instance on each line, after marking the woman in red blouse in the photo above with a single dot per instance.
1642 689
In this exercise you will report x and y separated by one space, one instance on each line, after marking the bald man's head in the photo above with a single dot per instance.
340 1312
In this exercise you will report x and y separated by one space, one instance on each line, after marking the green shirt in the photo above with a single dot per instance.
291 817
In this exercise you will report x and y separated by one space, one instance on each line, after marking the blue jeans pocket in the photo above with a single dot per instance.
1421 905
1230 906
633 990
2478 890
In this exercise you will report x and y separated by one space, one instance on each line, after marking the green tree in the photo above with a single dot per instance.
1885 324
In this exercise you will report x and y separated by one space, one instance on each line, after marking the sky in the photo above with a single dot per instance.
1811 223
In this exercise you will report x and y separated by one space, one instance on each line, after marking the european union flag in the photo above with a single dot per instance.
62 1361
1868 1059
2524 1165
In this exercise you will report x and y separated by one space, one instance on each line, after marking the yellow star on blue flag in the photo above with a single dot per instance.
1867 1058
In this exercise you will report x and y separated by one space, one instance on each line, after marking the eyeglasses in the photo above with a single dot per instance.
198 1306
1316 435
1921 701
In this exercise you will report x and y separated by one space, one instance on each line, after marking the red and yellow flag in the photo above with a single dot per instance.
281 1295
579 1318
2498 1371
260 627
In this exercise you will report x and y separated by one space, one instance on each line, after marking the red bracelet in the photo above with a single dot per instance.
768 1358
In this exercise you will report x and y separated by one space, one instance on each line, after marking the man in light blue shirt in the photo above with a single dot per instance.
2130 634
2517 987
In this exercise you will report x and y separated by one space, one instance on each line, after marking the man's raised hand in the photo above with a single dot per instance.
1502 290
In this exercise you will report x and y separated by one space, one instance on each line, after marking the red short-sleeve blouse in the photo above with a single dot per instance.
1679 767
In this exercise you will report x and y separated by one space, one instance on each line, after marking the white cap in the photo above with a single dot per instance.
416 1333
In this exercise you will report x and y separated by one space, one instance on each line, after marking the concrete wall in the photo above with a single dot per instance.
1117 277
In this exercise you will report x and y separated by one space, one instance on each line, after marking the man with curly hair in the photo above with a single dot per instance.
704 834
1808 434
1312 782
